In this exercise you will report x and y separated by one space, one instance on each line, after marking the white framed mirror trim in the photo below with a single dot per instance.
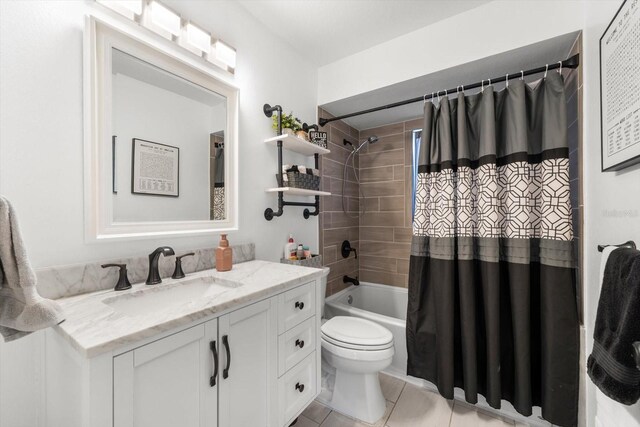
100 37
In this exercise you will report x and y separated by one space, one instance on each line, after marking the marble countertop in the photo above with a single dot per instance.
93 326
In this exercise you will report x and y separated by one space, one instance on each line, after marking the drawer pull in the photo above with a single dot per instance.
214 352
300 343
300 387
300 305
225 371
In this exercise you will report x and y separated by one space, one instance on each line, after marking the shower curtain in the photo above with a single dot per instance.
492 302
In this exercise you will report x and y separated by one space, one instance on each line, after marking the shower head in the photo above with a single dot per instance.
371 140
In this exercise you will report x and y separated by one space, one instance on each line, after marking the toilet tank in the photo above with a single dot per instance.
323 291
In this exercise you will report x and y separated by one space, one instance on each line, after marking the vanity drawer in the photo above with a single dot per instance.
296 306
297 388
296 344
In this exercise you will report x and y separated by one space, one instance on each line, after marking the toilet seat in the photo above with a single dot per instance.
355 333
357 356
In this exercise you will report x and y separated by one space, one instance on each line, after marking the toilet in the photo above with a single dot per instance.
357 349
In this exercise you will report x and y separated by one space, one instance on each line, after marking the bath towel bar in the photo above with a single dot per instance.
630 244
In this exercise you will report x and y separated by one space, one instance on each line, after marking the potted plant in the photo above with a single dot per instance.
290 124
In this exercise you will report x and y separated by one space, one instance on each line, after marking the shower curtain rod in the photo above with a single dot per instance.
572 62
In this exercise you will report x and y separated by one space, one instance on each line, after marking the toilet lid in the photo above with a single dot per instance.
356 331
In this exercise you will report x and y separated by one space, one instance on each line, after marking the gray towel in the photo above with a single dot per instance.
22 309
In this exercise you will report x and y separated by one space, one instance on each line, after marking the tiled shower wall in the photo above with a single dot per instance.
385 228
382 235
335 225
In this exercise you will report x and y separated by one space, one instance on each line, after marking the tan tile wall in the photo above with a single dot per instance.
382 235
385 228
335 225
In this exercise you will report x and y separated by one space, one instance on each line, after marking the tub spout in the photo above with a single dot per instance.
353 281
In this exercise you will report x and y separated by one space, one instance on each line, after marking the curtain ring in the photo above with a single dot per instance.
507 79
424 98
521 75
560 70
489 82
546 69
482 90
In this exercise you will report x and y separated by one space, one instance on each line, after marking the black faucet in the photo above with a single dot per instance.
154 275
353 281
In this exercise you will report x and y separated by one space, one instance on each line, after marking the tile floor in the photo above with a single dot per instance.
408 406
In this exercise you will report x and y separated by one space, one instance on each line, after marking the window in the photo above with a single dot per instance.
417 133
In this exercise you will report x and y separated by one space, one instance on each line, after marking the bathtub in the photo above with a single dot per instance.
385 305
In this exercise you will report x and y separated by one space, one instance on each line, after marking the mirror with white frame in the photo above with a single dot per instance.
161 151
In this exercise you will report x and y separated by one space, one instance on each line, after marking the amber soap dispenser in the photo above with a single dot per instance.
224 255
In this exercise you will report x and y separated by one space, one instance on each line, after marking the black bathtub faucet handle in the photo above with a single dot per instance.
346 249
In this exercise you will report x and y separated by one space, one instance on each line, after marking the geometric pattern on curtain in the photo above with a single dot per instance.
492 299
503 201
219 208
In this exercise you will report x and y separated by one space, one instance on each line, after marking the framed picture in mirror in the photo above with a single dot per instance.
155 168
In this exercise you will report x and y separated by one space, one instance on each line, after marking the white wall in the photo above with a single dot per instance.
612 200
612 204
487 30
146 111
41 143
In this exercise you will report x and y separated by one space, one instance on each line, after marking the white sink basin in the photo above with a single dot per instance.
167 297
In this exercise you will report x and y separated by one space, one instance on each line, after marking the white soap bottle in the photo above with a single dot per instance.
289 247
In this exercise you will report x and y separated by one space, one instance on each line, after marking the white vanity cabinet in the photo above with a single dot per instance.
247 378
173 381
267 371
167 383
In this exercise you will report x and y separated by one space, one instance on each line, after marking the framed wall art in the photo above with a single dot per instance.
620 89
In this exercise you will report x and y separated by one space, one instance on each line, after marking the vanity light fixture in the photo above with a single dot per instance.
225 54
162 20
195 39
165 22
128 8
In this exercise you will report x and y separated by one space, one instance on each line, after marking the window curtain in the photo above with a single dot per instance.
492 300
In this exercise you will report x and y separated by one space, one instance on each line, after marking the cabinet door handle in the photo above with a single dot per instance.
300 387
300 305
214 352
225 371
300 343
